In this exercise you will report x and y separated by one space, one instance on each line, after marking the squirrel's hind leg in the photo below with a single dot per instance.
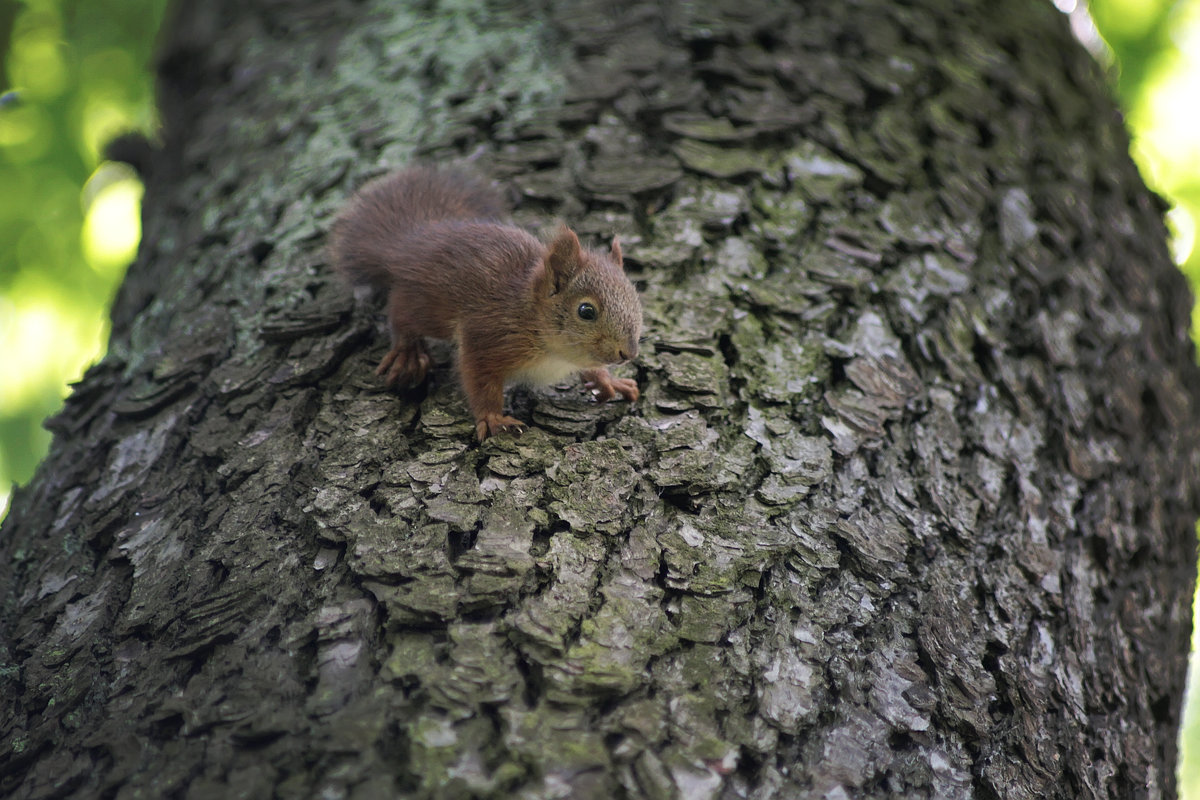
408 361
405 364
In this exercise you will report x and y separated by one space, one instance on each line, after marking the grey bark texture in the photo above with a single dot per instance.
906 508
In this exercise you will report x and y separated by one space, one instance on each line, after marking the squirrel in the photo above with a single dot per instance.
518 311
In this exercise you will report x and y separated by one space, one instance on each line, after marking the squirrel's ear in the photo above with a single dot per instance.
616 252
563 260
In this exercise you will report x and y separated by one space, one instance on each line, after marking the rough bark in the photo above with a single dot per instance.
905 510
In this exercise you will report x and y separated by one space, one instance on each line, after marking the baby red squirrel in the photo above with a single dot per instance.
518 311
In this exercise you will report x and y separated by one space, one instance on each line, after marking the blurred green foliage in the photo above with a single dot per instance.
73 73
1137 31
1155 47
1155 52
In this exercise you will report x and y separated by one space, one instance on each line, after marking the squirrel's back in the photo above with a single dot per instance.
388 210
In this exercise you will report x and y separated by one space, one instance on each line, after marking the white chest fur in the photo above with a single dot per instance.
545 371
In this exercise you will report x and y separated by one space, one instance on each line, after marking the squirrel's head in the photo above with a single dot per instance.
596 313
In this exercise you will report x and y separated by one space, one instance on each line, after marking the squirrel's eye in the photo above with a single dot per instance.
587 311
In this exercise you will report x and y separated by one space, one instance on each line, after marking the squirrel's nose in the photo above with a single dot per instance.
628 352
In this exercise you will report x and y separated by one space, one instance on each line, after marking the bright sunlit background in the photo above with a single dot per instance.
52 322
1153 50
74 73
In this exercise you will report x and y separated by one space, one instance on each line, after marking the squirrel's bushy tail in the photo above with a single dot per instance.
374 224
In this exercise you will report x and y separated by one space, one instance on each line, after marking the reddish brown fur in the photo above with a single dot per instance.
508 301
371 227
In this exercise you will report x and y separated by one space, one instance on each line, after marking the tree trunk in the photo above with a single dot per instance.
906 508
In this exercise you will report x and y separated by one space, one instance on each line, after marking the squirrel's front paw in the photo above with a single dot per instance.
607 387
626 387
491 424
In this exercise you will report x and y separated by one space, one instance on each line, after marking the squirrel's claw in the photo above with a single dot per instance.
626 387
404 365
492 424
607 387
